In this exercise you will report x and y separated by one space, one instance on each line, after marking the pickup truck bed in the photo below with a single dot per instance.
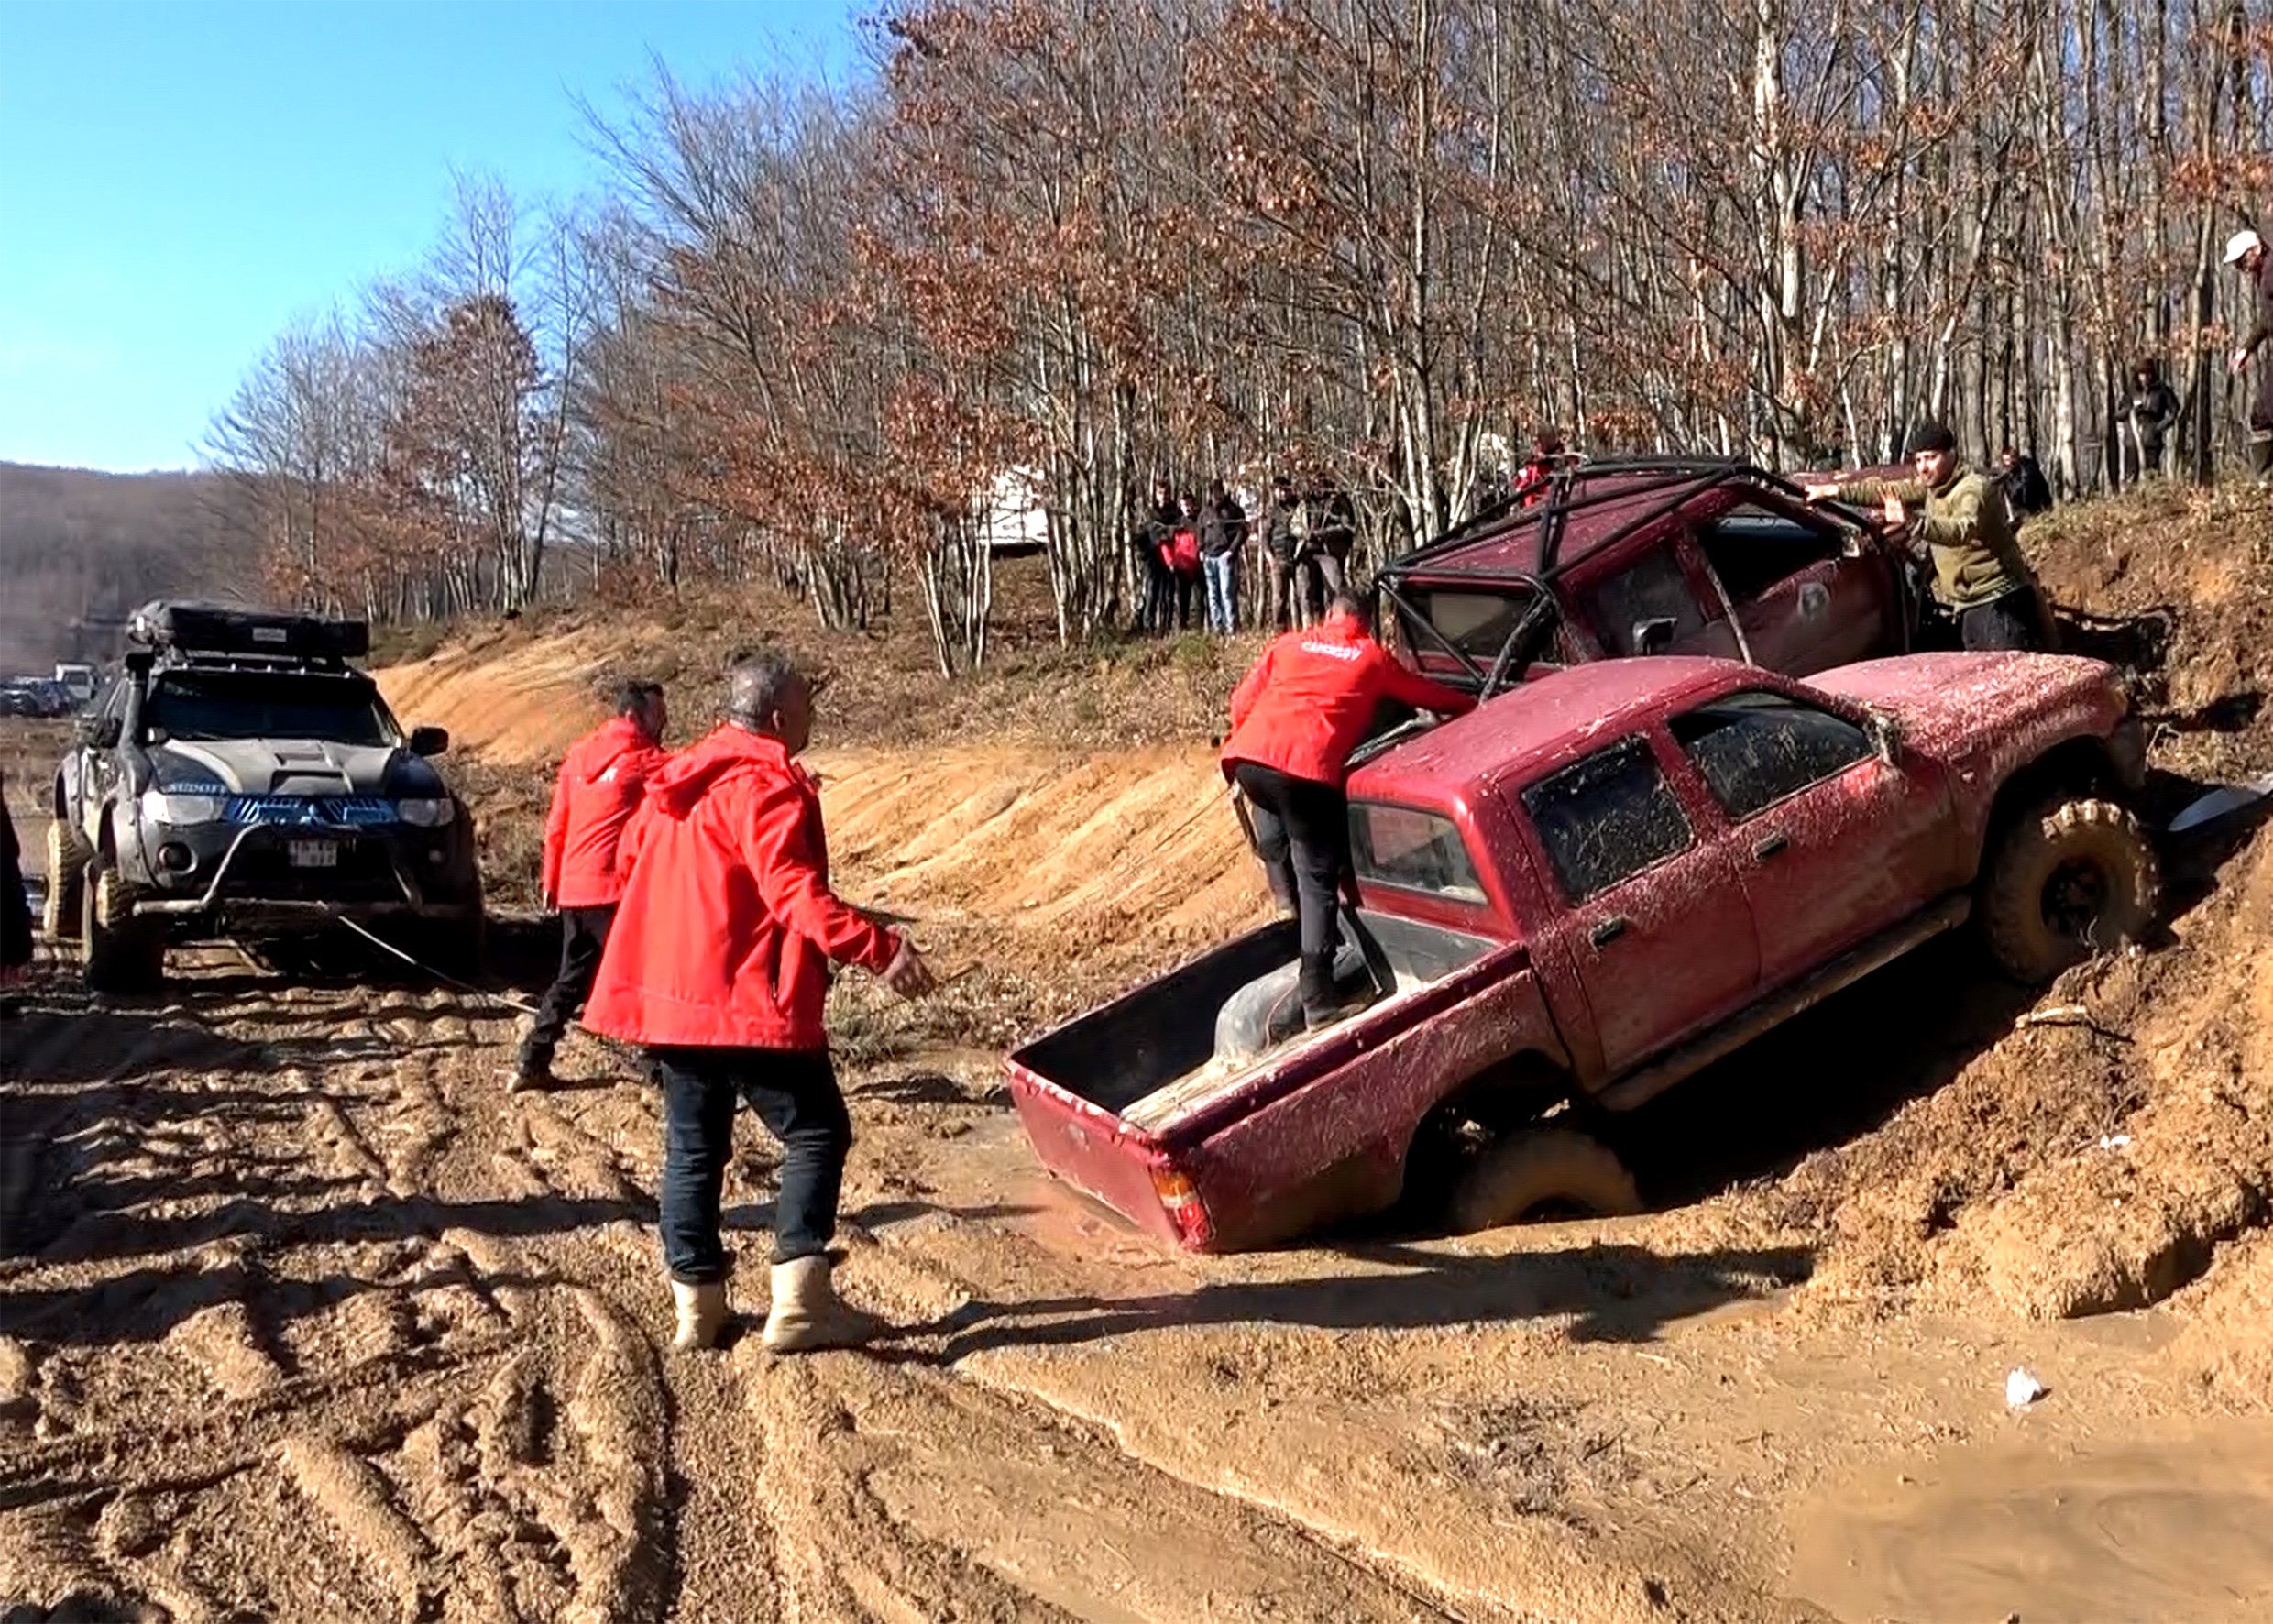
1127 1103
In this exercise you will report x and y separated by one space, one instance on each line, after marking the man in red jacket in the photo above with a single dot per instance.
1294 720
719 963
601 781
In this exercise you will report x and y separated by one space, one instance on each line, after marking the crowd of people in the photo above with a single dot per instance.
1189 549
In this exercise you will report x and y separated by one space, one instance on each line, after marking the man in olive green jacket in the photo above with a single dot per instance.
1981 580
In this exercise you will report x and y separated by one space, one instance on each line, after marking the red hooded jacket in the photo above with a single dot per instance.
728 924
1310 698
601 780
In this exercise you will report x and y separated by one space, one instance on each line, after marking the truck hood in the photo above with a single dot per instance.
291 767
1942 699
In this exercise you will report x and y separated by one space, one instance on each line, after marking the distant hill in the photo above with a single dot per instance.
77 546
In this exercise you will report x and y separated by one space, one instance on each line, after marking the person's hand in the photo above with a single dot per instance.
1897 511
908 974
550 903
1820 490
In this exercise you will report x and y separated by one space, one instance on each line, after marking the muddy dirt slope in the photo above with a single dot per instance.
302 1317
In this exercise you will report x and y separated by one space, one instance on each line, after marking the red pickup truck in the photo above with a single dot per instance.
1589 888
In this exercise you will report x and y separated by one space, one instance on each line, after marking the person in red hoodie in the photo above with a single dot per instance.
601 781
720 966
1294 720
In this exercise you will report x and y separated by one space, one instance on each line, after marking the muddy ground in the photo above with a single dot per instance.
302 1317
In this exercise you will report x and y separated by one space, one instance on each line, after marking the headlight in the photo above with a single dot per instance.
161 806
426 811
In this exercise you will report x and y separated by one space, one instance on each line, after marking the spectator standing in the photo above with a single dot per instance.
1981 580
2245 252
2150 414
1547 454
1223 536
601 781
1279 552
719 963
2022 480
15 940
1157 583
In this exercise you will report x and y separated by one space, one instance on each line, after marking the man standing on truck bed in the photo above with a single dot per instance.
1294 720
719 965
601 781
1981 580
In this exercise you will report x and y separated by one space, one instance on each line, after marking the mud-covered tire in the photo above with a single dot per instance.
67 876
2070 878
118 953
1534 1167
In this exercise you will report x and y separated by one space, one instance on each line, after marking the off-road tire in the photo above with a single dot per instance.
67 876
118 953
1535 1167
2070 878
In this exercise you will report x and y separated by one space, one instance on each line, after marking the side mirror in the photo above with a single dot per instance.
429 741
1654 636
101 732
1885 732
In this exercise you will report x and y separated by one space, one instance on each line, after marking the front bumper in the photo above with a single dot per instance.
254 876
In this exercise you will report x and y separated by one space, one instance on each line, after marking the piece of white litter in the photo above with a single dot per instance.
2115 1141
2020 1390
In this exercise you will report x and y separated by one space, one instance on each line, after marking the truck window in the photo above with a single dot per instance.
1652 587
1755 748
1477 623
1414 849
1751 548
1607 818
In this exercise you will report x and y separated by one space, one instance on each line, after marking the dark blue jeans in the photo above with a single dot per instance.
796 1095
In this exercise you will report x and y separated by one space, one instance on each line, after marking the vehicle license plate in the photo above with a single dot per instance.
311 854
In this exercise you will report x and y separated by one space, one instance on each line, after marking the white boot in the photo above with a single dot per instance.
702 1314
806 1313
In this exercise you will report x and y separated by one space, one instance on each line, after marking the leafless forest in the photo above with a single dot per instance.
1374 240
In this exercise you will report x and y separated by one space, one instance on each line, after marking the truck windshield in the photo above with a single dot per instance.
264 705
1413 849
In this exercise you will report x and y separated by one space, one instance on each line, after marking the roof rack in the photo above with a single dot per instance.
1673 480
203 631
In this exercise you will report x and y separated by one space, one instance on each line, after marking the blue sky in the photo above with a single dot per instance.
178 181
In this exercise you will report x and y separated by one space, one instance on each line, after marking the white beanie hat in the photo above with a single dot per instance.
2240 243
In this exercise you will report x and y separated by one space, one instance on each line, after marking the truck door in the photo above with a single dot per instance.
1808 594
1658 929
1833 842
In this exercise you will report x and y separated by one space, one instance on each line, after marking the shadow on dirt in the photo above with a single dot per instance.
1617 1293
1844 1068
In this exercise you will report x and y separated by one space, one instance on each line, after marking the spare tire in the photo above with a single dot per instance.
1267 1012
2069 879
1532 1168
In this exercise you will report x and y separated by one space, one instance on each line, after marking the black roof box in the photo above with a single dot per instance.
208 629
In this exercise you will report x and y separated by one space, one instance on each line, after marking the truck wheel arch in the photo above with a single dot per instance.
1504 1098
2080 766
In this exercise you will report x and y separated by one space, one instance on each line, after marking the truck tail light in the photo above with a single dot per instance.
1180 1198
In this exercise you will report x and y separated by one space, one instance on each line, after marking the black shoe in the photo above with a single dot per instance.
1317 1018
530 1077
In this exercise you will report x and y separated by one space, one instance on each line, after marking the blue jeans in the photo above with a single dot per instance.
794 1094
1222 570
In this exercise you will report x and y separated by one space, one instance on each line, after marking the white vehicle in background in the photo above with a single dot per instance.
78 679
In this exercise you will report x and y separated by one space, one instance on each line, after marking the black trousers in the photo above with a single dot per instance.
2006 623
1301 833
583 934
796 1095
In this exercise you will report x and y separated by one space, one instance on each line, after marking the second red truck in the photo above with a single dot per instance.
1581 893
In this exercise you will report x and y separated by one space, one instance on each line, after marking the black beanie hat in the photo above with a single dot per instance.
1930 435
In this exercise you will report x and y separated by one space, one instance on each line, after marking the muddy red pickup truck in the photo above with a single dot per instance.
1586 890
